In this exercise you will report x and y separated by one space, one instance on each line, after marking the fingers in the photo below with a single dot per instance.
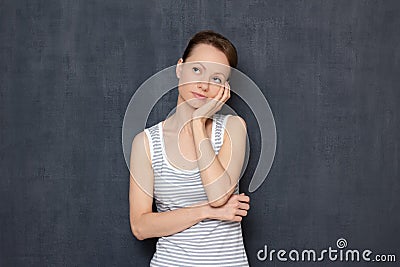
222 96
241 212
228 89
226 92
237 218
221 93
244 206
242 197
237 207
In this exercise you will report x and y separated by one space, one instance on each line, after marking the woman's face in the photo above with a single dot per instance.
204 72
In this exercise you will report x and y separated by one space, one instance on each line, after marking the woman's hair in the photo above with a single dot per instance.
215 39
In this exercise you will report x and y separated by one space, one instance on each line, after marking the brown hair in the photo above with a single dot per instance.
215 39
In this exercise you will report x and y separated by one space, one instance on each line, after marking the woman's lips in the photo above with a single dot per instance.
199 96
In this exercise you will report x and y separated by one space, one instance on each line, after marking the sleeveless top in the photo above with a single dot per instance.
210 242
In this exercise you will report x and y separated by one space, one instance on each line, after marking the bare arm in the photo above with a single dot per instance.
220 173
145 223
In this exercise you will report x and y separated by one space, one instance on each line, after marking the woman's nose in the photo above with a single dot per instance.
203 85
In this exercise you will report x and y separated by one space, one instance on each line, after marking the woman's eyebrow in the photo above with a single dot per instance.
196 62
206 68
220 73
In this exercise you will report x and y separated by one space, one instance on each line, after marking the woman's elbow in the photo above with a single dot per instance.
136 232
218 203
223 200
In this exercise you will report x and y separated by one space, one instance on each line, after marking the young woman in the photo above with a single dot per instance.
190 164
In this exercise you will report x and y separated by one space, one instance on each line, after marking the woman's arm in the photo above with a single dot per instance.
147 224
220 173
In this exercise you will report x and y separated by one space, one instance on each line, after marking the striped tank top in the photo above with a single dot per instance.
210 242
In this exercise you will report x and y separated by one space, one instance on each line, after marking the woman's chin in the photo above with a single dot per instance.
195 102
196 106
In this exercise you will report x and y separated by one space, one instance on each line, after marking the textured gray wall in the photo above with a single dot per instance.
329 69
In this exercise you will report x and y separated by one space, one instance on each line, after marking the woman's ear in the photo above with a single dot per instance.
179 68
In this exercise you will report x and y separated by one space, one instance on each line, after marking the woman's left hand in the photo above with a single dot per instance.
213 105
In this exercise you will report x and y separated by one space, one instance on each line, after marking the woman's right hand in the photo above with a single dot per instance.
233 210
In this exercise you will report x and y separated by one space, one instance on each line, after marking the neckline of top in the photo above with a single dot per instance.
164 153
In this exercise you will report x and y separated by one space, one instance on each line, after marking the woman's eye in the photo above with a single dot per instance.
196 70
218 80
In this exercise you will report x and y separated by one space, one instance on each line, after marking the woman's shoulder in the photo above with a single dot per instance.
232 121
142 145
140 141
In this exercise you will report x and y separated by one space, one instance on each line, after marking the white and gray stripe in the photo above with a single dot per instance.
207 243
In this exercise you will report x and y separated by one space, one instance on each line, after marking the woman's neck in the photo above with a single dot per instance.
180 120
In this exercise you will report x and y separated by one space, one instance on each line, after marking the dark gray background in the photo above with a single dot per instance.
329 69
